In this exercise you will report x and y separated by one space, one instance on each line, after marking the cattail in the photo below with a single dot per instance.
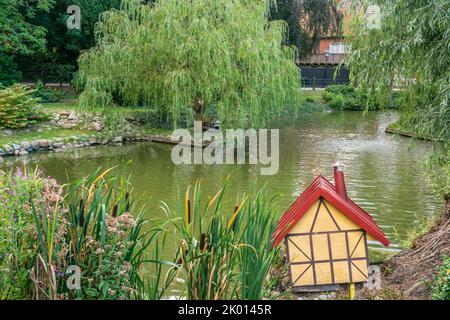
236 208
127 201
115 209
81 220
202 242
189 211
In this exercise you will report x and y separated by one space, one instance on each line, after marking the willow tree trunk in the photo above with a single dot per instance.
198 117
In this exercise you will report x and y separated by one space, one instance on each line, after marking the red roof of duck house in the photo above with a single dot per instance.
322 188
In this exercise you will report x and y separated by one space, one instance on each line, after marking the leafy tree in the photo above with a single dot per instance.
308 21
63 46
18 35
192 55
410 49
9 71
90 12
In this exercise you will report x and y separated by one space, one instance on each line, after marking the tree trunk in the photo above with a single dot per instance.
198 109
199 115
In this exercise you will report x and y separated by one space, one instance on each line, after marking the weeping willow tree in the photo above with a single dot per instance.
411 50
178 55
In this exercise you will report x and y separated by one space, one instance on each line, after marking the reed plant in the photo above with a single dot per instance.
257 225
159 273
48 231
95 226
108 237
32 235
224 254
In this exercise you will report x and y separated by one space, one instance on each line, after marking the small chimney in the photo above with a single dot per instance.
339 180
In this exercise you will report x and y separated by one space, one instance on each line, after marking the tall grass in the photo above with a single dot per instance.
257 225
223 253
46 220
159 273
105 237
94 203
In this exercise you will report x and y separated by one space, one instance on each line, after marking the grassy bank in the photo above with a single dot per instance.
113 125
402 128
146 123
313 101
39 133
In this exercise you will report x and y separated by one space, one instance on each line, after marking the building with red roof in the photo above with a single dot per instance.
326 234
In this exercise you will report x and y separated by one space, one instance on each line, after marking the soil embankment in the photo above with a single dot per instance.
411 272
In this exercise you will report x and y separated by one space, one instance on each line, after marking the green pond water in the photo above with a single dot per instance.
384 173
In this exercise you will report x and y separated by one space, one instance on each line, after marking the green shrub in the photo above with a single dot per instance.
377 256
338 102
47 95
438 171
17 107
357 99
441 287
421 226
78 83
327 96
342 89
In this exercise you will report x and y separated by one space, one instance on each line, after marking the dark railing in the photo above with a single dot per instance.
323 76
321 83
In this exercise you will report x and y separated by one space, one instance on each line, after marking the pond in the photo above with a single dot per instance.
384 173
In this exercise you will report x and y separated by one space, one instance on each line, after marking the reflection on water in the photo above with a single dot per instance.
384 174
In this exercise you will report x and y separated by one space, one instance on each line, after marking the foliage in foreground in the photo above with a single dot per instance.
18 237
179 56
46 228
441 287
107 241
17 106
225 254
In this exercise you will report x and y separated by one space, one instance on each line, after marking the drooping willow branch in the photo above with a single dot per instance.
178 56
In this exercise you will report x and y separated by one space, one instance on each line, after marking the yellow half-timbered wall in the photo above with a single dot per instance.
326 247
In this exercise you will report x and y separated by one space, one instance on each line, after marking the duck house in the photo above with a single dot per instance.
326 235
